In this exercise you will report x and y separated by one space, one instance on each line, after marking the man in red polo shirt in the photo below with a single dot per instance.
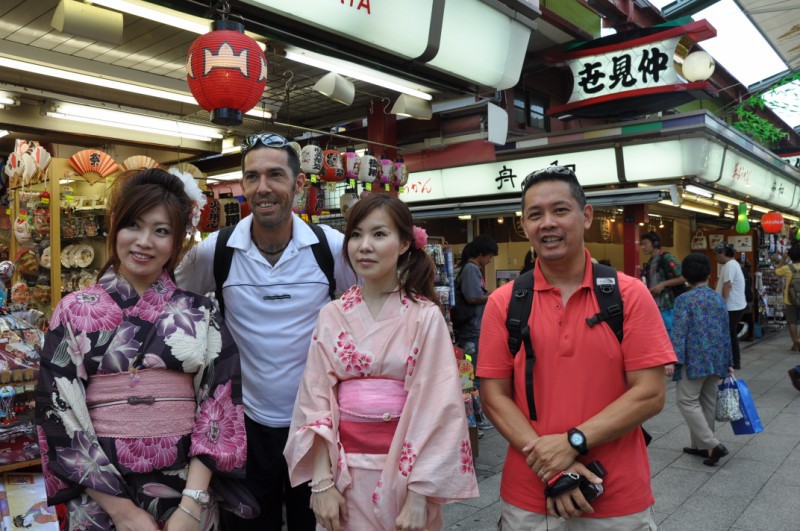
591 391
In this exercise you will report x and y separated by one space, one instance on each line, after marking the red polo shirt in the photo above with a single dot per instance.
578 372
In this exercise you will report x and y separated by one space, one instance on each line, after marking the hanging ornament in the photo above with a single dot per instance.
368 168
332 169
352 163
315 201
400 172
772 222
387 169
742 225
209 216
311 160
347 200
226 72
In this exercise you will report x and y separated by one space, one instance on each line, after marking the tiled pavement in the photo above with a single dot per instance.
756 487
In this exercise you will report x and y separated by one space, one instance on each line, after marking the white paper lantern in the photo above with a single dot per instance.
698 66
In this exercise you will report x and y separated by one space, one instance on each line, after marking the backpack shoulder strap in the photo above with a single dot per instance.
519 333
609 298
324 256
223 256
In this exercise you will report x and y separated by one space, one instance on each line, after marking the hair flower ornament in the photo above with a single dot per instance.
194 193
420 237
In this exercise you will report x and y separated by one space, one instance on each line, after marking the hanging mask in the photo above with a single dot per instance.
22 230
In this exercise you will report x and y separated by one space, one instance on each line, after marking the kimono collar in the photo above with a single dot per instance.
124 293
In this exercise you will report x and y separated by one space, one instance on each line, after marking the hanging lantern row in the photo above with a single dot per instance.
330 165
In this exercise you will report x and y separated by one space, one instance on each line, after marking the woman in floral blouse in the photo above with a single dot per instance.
138 403
702 344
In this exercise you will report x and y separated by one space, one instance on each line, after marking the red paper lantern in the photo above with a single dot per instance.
772 222
226 71
210 215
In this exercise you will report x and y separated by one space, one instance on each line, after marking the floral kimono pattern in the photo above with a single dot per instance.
108 328
430 451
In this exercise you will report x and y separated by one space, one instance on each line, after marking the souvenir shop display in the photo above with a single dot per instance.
20 349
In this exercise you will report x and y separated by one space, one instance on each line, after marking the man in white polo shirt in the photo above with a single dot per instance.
273 292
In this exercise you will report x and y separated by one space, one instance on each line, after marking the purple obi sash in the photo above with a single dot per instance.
369 411
161 404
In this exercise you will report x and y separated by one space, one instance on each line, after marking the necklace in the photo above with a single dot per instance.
285 245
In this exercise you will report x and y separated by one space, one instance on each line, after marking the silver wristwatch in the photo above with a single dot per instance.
200 496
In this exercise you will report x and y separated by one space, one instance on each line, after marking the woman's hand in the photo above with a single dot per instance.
180 521
134 519
414 513
330 509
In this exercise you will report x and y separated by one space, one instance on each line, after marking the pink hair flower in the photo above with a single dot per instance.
420 237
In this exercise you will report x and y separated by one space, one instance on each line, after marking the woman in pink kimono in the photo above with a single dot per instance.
379 426
138 404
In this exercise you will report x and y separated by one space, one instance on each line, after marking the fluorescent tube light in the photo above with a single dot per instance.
693 208
164 15
761 209
3 133
7 100
698 191
33 68
346 68
134 122
791 217
465 217
727 199
235 175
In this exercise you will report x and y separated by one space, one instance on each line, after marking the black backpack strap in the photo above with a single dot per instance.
519 333
609 298
223 256
324 257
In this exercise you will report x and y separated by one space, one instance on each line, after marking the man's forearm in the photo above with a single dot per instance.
643 400
505 415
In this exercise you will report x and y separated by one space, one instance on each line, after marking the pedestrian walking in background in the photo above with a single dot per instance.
702 344
730 285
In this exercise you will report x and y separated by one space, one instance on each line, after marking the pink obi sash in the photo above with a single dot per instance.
161 404
369 411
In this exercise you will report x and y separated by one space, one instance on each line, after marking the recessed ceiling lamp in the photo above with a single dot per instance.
412 107
336 88
133 122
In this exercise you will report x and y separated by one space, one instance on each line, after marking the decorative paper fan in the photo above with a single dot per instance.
29 168
42 158
191 169
137 162
93 165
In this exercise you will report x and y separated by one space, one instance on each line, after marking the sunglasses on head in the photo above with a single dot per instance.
551 170
271 140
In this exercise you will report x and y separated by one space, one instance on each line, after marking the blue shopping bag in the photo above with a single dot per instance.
751 422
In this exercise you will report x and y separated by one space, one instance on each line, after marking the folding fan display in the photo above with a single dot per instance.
93 165
137 162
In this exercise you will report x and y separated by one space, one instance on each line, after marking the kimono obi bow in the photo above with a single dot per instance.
162 404
369 411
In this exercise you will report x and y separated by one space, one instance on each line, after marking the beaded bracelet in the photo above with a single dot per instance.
323 489
320 480
190 513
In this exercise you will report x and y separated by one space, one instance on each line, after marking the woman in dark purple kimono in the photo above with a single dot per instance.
138 404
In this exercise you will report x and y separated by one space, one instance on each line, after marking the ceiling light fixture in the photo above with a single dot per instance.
134 122
465 217
43 70
698 191
33 68
761 209
412 107
164 15
346 68
228 176
3 132
501 220
727 199
6 99
336 88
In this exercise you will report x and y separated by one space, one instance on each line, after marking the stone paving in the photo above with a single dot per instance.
756 487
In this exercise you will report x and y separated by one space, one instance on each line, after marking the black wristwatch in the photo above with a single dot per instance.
577 440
